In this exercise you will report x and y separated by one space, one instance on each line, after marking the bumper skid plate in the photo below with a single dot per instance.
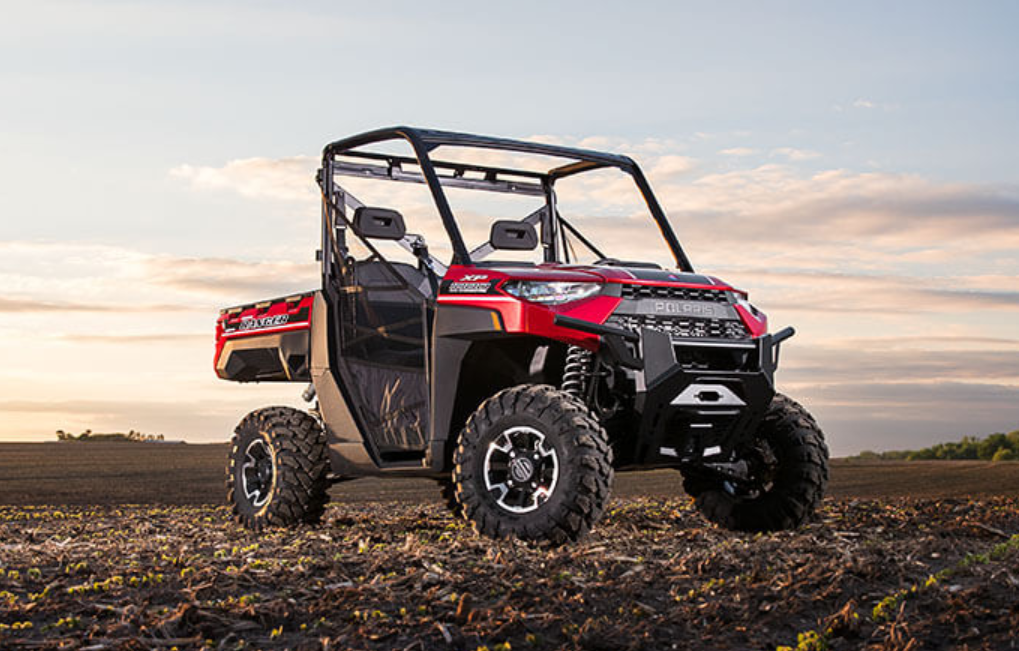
690 415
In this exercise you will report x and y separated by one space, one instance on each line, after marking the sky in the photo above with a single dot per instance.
852 165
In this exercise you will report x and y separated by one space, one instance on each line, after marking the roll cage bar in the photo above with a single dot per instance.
341 158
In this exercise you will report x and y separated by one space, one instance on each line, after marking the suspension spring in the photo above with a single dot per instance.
577 371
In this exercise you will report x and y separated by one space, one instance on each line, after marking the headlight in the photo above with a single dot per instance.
550 293
750 307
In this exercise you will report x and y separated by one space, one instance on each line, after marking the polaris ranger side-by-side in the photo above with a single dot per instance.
520 371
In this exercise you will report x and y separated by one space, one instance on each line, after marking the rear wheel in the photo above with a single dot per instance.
789 463
533 464
277 472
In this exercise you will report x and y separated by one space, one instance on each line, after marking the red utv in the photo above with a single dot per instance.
520 371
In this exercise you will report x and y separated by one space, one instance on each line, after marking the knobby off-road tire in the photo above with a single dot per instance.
447 492
447 487
549 428
799 482
277 473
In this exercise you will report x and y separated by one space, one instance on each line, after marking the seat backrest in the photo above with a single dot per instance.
376 275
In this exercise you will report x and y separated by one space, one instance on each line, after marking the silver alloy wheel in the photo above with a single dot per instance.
258 473
521 470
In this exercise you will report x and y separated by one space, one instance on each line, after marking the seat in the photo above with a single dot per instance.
376 275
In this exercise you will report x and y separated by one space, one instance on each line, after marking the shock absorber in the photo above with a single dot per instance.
577 371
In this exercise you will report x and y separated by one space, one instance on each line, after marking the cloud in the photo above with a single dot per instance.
867 410
672 166
233 278
817 365
877 294
32 306
86 278
29 305
775 204
155 338
905 400
738 151
795 154
864 104
926 343
286 179
876 224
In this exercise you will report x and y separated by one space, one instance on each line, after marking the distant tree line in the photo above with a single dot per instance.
88 435
996 447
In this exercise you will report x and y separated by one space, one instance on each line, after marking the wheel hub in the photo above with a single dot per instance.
762 465
257 473
521 469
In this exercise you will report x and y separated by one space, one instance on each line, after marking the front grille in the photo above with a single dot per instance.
682 327
676 293
716 359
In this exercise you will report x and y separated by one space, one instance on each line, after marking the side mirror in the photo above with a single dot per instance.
379 223
513 236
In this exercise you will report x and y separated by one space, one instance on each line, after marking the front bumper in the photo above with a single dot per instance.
698 401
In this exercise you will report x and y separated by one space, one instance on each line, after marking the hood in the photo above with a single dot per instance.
587 273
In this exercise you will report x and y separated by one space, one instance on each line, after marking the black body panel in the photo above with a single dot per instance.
689 415
281 357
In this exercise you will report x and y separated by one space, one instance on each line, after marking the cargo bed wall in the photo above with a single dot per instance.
266 341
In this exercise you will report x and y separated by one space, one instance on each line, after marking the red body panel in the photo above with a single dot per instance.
756 324
524 317
288 314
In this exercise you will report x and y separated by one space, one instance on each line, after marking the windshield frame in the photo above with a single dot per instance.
343 158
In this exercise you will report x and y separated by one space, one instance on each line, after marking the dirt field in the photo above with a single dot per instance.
910 570
905 575
141 473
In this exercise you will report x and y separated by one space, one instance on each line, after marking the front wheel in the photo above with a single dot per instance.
532 464
277 472
790 463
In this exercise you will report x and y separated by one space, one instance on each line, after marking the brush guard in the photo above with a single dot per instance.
686 415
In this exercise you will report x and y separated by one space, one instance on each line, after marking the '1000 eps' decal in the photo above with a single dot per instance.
469 284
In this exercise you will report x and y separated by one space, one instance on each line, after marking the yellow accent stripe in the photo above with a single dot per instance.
495 320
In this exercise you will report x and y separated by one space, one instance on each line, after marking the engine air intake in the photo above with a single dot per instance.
682 327
675 293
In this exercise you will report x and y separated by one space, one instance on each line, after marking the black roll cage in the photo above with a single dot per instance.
436 174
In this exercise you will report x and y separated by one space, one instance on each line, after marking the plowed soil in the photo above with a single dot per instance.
150 473
901 574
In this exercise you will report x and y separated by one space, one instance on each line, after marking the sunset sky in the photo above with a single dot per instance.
854 167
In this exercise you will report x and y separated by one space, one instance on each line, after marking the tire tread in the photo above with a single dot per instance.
301 488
